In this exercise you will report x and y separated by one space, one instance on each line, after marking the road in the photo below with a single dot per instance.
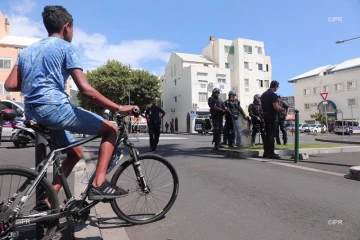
222 198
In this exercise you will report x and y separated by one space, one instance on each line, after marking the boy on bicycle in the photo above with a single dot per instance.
40 73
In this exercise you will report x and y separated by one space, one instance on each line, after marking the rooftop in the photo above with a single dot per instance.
193 58
355 62
18 41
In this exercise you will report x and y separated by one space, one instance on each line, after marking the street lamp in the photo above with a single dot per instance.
342 41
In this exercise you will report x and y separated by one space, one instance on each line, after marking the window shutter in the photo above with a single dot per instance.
231 50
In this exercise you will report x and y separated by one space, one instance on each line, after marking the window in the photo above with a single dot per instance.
247 89
222 87
267 84
2 90
206 65
260 66
248 49
267 67
326 88
307 92
203 97
307 106
203 85
248 65
260 50
338 87
175 99
201 76
261 83
229 65
226 65
175 81
351 85
227 49
351 102
221 80
316 90
5 63
246 82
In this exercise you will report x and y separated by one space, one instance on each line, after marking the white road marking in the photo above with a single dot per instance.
299 167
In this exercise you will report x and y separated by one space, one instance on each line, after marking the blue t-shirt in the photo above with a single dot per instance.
44 68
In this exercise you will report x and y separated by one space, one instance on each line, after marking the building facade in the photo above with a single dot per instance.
239 65
10 47
339 81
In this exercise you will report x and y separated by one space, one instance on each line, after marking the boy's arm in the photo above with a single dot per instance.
13 81
93 95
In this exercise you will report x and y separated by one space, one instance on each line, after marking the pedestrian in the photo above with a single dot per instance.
292 131
106 114
271 108
232 119
257 119
166 126
217 110
282 125
154 122
171 127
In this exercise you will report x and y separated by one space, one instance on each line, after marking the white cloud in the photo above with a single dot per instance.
95 48
22 7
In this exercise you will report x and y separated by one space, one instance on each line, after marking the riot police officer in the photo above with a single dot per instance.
232 119
282 117
257 119
271 108
217 110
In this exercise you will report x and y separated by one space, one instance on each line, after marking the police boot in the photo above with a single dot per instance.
253 140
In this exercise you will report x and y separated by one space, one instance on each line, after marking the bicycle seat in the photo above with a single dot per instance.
37 127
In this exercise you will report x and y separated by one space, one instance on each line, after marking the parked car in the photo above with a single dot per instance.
315 128
303 127
7 128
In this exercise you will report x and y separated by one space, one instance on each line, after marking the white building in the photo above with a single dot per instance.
238 64
339 81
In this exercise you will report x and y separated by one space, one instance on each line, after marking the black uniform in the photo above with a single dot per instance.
153 114
255 112
234 109
271 117
217 118
282 125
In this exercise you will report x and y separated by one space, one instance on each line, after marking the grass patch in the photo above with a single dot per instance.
291 146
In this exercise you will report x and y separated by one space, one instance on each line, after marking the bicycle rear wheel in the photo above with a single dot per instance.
139 207
15 181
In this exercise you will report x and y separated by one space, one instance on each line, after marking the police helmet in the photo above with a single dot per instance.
257 96
107 111
216 90
232 92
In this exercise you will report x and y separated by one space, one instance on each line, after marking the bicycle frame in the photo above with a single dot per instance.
54 158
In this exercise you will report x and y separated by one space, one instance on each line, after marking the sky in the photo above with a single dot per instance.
297 34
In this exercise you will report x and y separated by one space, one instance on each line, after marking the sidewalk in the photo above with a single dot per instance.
103 223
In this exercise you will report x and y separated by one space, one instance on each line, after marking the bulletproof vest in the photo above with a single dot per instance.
218 102
233 106
256 109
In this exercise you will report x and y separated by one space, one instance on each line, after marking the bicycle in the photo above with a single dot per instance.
77 210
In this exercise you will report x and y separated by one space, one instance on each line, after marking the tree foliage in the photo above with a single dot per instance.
116 81
321 118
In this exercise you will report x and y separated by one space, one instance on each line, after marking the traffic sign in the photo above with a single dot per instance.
324 95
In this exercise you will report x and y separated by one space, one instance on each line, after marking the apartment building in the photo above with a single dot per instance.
10 47
239 64
339 81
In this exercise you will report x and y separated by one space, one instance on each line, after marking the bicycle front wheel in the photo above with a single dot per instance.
139 207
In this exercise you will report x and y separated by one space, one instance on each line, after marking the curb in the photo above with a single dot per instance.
247 154
92 229
337 141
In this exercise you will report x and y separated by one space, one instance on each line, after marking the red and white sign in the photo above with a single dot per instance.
324 95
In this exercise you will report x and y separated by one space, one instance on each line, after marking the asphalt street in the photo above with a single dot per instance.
223 198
